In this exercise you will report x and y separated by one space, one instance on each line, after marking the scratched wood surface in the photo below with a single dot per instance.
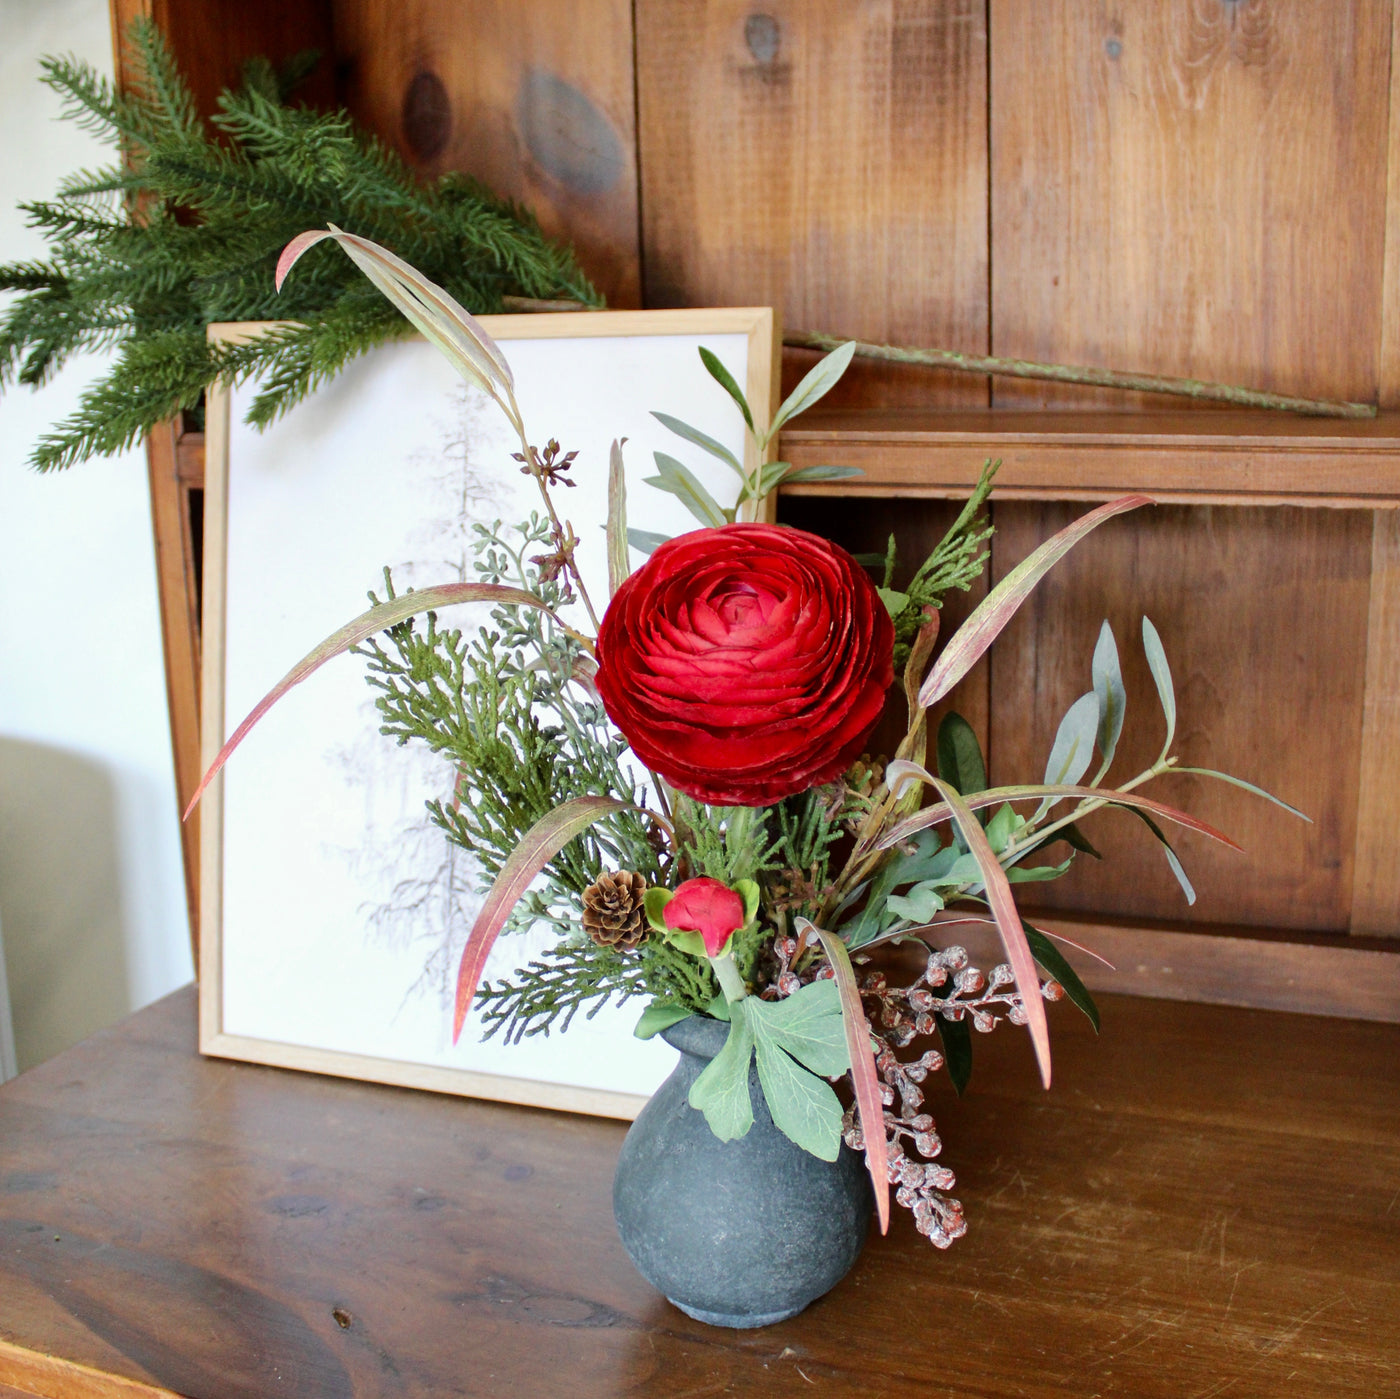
1199 1207
826 158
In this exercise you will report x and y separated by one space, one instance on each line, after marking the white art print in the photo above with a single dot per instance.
333 910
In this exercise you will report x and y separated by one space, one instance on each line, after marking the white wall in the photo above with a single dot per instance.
91 892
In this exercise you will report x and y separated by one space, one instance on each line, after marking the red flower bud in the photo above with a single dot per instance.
708 907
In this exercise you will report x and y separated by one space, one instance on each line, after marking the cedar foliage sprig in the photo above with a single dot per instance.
145 254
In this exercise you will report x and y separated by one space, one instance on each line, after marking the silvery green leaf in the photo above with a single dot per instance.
1073 749
1176 866
701 439
919 905
803 1107
645 542
1162 676
1248 787
964 869
895 601
808 1024
725 380
1111 695
1003 826
1037 874
656 1018
826 473
817 383
722 1090
769 476
681 482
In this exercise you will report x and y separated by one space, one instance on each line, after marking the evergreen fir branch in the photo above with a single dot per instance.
144 256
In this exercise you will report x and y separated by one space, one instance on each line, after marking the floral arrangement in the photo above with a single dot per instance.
679 785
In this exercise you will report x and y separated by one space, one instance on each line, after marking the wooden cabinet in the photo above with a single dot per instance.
1175 186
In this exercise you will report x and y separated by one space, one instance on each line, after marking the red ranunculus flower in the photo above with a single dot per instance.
708 907
746 663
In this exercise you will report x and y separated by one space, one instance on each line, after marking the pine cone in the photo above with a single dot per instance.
613 914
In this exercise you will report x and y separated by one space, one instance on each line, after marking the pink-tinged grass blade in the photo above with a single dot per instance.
970 642
619 564
538 846
1008 917
377 619
994 796
870 1106
437 314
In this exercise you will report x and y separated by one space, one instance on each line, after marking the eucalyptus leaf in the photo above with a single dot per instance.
702 440
1176 866
808 1024
803 1107
1052 960
826 473
1162 677
1073 749
1003 827
1111 695
1248 787
722 1090
681 482
919 905
646 542
816 384
656 1018
895 601
1037 874
725 380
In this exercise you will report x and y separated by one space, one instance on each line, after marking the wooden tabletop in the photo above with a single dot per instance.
1206 1204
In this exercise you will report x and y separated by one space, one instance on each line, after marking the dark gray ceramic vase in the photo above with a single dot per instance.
741 1233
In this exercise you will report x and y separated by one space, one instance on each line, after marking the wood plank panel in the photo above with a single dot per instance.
1263 614
1376 893
213 39
537 100
1190 188
1204 458
826 158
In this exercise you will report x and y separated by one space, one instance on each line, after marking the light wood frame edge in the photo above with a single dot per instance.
49 1377
758 324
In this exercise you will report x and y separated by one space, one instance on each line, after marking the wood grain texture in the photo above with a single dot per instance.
1263 614
1190 188
1376 883
825 158
1157 1226
1183 456
1389 362
536 100
213 39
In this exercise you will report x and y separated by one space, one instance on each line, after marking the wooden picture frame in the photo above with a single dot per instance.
227 1004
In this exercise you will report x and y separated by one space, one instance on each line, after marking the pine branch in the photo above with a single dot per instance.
215 210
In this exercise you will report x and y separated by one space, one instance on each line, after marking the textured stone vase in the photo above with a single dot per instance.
741 1233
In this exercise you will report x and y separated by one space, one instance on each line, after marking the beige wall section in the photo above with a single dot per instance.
91 898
